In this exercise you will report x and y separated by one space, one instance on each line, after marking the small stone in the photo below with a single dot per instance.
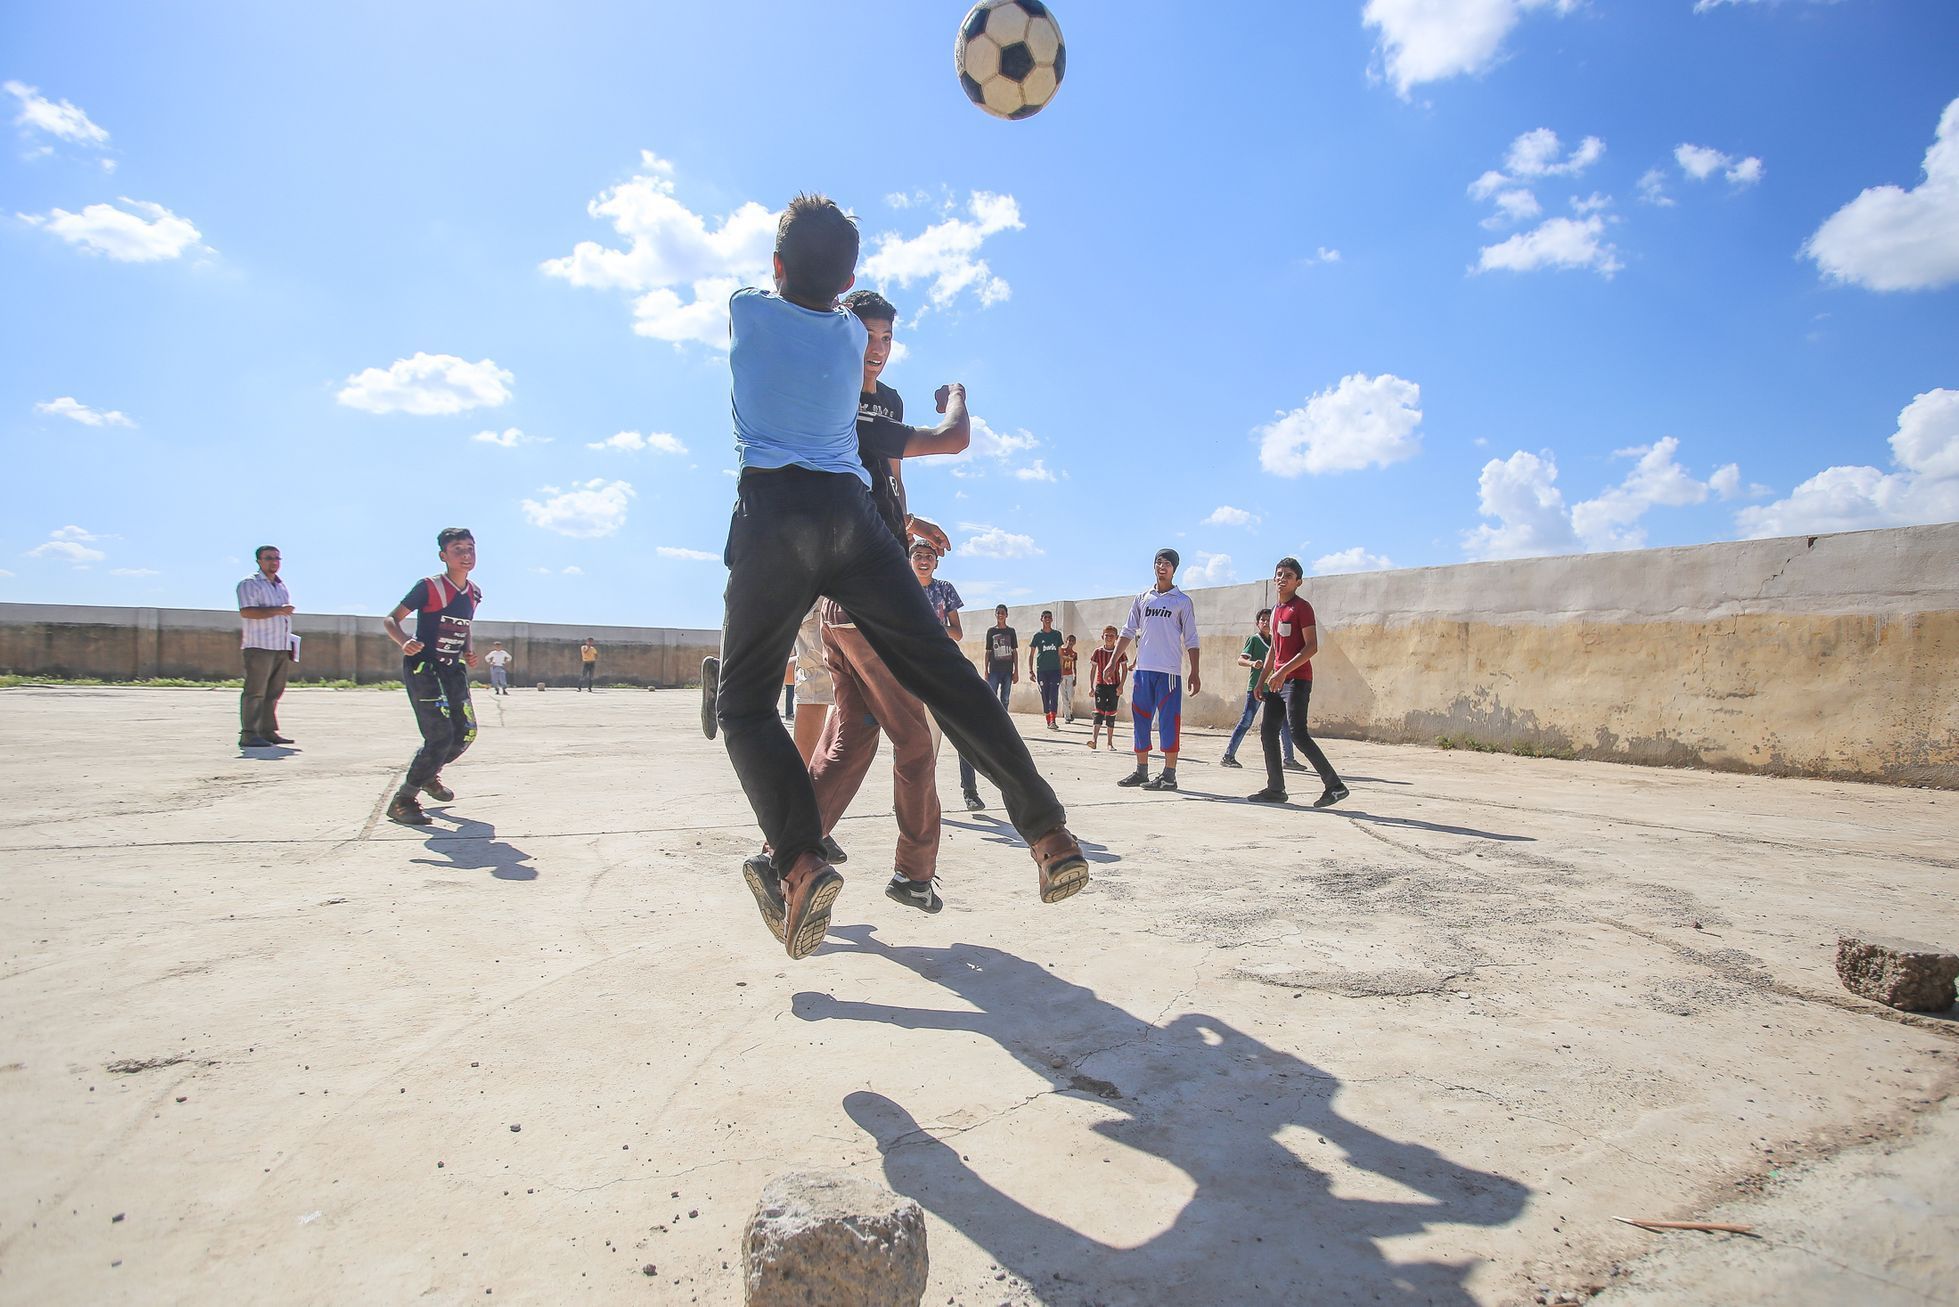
830 1236
514 1127
117 1217
649 1269
693 1212
1898 973
438 1166
182 1098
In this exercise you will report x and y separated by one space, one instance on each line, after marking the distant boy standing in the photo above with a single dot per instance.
1044 665
1253 658
1164 626
1002 657
434 667
1107 668
1289 686
805 526
588 663
499 660
1068 680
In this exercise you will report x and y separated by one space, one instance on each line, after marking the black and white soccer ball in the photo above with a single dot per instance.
1010 57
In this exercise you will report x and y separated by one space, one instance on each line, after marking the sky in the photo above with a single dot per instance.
1373 283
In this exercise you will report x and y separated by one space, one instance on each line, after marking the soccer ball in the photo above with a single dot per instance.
1010 57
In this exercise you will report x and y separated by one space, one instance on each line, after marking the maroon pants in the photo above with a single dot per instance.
869 697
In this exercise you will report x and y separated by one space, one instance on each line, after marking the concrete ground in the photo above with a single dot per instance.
258 1044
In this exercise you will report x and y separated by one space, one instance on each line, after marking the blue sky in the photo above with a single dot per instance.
1402 282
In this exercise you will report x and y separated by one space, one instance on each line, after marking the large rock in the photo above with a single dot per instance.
1897 972
833 1239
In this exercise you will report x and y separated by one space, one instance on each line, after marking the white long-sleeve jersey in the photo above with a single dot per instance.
1163 623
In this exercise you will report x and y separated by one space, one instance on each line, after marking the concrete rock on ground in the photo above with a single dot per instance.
833 1239
1902 974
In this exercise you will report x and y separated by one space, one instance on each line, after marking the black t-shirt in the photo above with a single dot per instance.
442 616
1001 645
881 436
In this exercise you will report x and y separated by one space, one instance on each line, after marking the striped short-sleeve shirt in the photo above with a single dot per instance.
264 632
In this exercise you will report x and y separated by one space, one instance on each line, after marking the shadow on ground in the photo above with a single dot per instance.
995 831
1210 1100
473 846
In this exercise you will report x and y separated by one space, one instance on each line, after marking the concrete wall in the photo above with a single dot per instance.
138 643
1833 655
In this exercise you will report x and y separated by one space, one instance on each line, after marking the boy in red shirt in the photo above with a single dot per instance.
1108 669
1288 687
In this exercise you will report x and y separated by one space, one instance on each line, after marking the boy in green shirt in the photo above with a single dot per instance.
1254 657
1044 665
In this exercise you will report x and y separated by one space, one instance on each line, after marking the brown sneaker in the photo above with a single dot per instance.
808 890
1063 868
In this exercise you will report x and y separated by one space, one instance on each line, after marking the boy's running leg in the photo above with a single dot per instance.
1230 758
1298 695
914 795
432 720
1268 732
849 743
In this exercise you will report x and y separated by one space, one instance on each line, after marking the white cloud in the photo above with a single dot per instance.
1889 238
1513 206
573 570
946 253
140 233
56 118
1704 6
1521 493
996 542
633 442
1226 515
1555 243
1593 203
1362 422
1611 521
1323 255
991 449
1534 157
689 555
69 407
5 574
134 571
682 268
427 385
1653 188
1925 488
509 438
1536 154
1430 40
1356 559
587 510
1209 569
70 544
1035 471
1700 162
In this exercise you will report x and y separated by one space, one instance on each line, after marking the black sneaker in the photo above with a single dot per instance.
1229 761
1135 778
407 812
710 687
973 802
1293 764
1163 782
1333 795
436 790
766 886
1267 796
254 742
279 739
920 894
833 852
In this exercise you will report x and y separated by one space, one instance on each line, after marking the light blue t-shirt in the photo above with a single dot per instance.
797 375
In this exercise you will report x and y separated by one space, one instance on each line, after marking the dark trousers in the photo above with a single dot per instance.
265 680
1244 724
585 675
798 534
440 693
1289 707
1000 680
1050 691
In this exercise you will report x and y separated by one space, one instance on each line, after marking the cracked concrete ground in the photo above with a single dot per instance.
257 1044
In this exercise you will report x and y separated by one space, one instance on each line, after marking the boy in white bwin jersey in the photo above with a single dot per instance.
1164 626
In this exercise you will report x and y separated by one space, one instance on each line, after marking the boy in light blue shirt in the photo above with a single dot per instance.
805 526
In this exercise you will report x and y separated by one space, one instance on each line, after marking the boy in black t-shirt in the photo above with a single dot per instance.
434 667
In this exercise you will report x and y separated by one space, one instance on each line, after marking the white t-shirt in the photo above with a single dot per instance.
497 657
1163 624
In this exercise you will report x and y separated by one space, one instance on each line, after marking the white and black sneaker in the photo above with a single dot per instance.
920 894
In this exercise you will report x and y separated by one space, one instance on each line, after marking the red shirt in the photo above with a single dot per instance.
1100 660
1290 622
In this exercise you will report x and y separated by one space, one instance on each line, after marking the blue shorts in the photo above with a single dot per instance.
1159 695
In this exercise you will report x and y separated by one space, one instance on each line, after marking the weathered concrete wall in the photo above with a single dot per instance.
1833 655
138 643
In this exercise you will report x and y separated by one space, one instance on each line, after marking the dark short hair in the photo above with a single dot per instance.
818 245
869 306
1291 564
1047 612
448 535
260 551
1262 614
999 608
1176 560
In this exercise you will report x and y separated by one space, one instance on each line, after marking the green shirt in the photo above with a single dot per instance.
1256 649
1047 651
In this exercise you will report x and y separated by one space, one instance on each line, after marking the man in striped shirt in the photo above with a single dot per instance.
266 611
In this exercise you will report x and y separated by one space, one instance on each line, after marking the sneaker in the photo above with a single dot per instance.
920 894
973 802
436 790
710 687
808 892
254 742
766 886
405 810
1267 796
1063 868
1333 795
1134 778
1163 782
279 739
833 852
1293 764
1229 761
